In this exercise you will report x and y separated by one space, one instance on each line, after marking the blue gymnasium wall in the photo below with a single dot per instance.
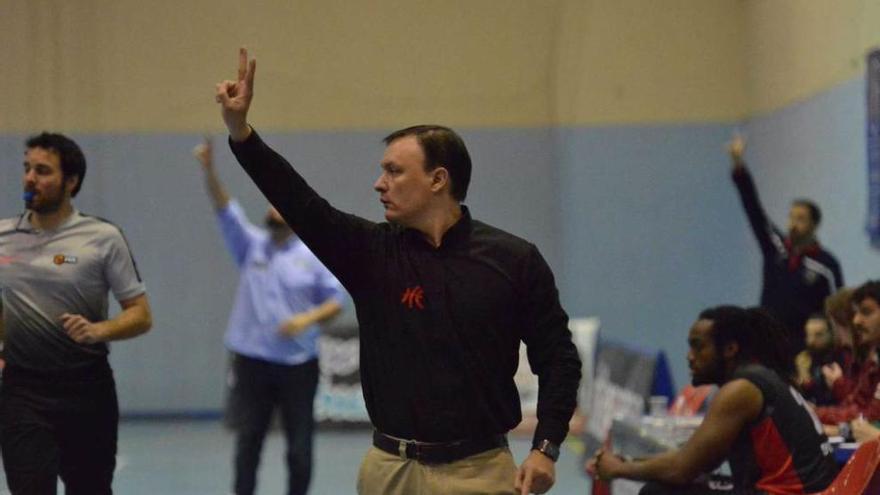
653 229
653 232
817 149
152 187
640 223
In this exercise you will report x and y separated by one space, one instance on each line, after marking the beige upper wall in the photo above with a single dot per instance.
129 65
636 61
797 48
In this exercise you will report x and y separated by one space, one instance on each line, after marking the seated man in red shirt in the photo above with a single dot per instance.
757 421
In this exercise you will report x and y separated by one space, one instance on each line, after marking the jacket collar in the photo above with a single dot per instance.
455 236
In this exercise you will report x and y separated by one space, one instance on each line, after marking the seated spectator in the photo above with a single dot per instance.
863 398
757 421
839 311
821 351
839 377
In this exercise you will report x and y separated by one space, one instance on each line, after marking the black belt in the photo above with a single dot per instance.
436 453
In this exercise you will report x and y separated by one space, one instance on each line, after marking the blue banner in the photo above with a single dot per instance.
873 123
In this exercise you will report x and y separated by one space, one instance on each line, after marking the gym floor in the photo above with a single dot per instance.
194 458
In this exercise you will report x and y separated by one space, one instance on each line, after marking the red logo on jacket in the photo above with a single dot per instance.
414 297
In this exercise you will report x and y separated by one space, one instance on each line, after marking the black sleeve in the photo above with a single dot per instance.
340 240
552 354
761 226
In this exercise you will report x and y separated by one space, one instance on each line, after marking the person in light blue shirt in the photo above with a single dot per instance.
283 296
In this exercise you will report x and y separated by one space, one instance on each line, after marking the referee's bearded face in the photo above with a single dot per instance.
404 186
44 178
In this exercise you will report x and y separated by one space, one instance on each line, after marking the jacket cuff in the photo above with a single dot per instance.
549 430
251 142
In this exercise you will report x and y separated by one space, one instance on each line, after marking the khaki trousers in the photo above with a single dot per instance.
488 473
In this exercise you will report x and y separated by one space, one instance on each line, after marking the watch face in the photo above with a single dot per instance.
549 449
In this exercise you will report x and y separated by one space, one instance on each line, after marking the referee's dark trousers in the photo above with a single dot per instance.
59 424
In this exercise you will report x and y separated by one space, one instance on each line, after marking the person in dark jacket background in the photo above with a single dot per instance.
798 273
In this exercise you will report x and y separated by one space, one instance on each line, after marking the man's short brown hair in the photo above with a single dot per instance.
442 148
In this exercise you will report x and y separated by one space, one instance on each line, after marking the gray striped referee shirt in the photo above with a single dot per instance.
44 274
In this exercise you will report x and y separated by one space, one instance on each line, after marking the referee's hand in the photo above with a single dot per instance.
81 330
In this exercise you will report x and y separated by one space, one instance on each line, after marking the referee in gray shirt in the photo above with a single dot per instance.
58 409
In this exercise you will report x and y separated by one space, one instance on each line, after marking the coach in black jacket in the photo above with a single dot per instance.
443 301
798 273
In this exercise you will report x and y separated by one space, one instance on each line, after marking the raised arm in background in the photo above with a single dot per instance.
768 238
204 153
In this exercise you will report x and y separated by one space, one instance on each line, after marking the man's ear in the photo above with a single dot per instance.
730 350
439 179
70 183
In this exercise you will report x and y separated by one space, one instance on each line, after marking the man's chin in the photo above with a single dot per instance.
392 217
43 208
814 352
697 380
797 237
